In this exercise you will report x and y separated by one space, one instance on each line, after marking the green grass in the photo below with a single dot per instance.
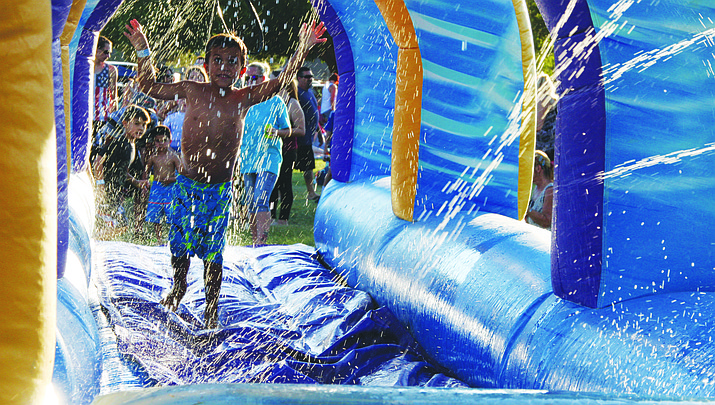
298 230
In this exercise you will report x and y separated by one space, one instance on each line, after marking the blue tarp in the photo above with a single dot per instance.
284 317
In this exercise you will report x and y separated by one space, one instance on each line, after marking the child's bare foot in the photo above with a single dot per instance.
262 239
172 300
211 316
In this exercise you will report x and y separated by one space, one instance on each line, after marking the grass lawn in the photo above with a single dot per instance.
298 230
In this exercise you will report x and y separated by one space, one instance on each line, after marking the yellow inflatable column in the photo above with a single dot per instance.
408 108
527 139
28 212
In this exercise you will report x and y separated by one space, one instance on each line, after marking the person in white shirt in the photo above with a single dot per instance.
329 97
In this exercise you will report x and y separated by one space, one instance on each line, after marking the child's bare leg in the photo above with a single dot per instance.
157 230
308 177
263 224
253 225
178 290
213 275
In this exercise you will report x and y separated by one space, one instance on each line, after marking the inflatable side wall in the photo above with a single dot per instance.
77 367
634 148
475 286
29 204
477 296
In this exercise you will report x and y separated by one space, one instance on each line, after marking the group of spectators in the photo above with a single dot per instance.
136 142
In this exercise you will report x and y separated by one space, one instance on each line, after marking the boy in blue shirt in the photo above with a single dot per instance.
261 153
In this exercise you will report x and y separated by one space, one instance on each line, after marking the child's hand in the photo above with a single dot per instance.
143 185
136 36
313 35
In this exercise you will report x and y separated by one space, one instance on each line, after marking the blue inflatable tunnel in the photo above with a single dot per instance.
425 283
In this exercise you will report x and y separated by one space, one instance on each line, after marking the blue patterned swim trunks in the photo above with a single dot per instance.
199 217
159 205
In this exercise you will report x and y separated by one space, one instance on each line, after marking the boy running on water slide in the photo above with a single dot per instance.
211 136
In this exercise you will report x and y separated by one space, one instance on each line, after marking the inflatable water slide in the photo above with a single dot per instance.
424 274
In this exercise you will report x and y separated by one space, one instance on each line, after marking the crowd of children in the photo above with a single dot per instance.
128 152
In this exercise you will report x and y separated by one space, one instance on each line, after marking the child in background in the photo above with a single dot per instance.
117 156
266 124
211 136
163 165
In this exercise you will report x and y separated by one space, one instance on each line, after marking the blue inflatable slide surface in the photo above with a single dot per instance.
285 319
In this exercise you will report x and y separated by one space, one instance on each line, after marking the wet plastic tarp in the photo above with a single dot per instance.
284 317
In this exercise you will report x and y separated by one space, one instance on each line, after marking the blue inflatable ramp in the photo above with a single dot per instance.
284 317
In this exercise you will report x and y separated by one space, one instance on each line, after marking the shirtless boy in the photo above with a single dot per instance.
211 136
163 164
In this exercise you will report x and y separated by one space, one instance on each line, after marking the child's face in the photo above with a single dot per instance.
134 128
224 66
161 142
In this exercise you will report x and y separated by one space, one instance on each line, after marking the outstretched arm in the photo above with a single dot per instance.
309 37
146 77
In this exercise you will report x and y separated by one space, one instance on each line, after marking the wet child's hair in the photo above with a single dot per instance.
159 131
134 111
227 41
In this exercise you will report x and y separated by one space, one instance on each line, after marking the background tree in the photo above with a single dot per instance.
541 38
178 29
